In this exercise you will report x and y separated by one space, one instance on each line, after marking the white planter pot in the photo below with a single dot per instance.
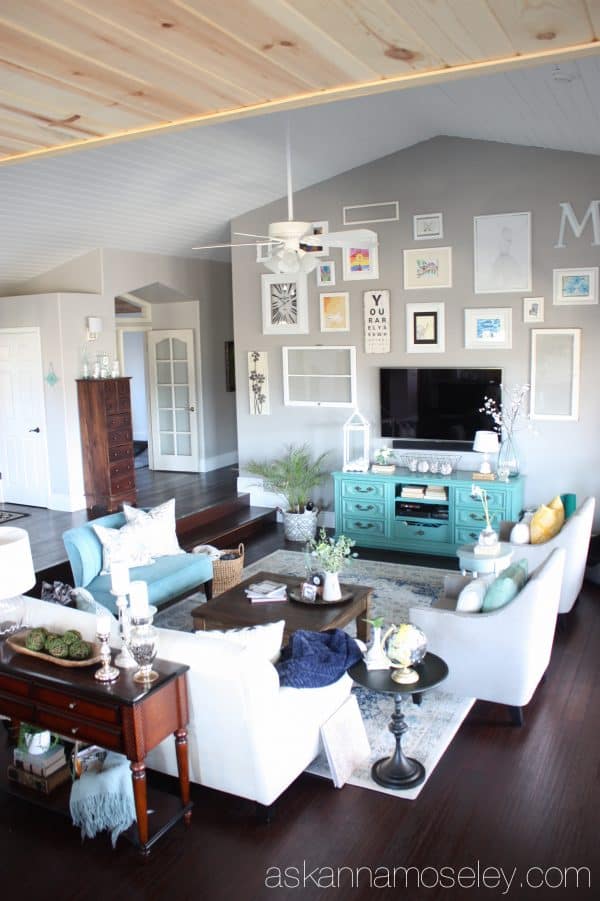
331 587
300 526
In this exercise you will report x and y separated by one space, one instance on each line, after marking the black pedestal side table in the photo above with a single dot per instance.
399 771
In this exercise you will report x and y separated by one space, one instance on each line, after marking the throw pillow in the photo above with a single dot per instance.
505 586
127 545
161 538
520 533
547 521
470 599
265 640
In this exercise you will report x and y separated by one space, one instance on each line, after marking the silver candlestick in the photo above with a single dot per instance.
124 658
106 673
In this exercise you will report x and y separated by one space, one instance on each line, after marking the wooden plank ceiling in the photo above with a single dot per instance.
74 71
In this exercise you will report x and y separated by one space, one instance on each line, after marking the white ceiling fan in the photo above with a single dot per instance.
292 244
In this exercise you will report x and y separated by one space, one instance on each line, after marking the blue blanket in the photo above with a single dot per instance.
313 659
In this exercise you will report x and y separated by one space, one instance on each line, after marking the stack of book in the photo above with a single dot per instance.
266 592
412 491
436 492
42 772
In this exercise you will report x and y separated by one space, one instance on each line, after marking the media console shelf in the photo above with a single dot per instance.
398 512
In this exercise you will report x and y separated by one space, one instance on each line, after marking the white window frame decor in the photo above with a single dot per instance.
555 364
475 321
269 318
502 240
334 309
580 279
320 267
372 272
371 212
427 267
533 309
328 365
430 317
428 227
376 315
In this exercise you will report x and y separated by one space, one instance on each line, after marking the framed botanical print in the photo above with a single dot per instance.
428 267
361 262
284 305
335 312
425 328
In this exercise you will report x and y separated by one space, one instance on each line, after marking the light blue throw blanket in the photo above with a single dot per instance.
104 800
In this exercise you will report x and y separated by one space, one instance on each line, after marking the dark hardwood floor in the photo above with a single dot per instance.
501 797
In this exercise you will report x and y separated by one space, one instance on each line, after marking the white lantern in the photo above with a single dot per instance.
356 443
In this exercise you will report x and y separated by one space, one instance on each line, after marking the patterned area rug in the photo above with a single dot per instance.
8 516
433 724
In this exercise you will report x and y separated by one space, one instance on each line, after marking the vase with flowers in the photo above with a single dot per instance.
331 555
507 417
487 536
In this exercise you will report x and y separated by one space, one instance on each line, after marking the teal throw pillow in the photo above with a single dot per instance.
505 587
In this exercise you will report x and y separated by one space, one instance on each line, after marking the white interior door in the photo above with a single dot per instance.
173 400
23 440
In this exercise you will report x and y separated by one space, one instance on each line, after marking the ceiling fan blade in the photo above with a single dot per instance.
264 239
357 237
215 246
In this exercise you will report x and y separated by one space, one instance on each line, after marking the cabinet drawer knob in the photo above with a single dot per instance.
364 507
363 525
360 490
476 516
72 705
74 730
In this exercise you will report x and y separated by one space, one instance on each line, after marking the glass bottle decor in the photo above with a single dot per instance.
142 643
508 462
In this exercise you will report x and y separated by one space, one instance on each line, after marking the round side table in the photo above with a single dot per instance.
399 771
469 561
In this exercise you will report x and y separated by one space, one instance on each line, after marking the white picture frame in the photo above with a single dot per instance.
576 286
555 374
284 304
427 267
319 376
502 253
326 274
360 263
425 328
428 226
369 213
533 309
258 383
334 309
490 327
317 228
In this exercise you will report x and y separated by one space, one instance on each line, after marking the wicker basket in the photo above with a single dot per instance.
227 573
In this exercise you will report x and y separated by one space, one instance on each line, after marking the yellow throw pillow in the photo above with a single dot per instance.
547 521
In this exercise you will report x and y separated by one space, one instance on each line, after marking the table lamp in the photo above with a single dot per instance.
16 576
485 443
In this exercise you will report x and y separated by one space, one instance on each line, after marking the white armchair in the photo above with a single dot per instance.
574 537
499 656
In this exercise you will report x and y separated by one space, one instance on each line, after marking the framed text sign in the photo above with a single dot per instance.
377 322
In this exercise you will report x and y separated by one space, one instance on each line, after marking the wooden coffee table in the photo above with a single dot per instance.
233 609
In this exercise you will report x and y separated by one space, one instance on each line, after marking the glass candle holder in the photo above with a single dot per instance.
142 643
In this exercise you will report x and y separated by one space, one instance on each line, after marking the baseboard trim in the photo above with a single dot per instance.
66 502
261 498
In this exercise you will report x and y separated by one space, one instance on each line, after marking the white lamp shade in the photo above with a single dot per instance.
17 574
486 442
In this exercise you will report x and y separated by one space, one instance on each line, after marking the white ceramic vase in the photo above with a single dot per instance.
331 587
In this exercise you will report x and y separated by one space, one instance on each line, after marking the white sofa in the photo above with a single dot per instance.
500 655
246 735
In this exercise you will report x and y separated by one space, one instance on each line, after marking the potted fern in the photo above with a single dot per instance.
294 475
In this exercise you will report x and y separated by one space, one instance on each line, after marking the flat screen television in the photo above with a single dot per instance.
436 407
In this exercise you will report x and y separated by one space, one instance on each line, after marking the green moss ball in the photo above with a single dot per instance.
35 641
80 650
50 636
58 648
71 636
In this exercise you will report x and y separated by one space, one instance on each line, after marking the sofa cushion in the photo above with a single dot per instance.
160 536
84 548
547 521
505 586
126 545
264 640
470 599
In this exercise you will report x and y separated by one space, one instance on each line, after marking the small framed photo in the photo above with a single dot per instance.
284 305
360 262
308 592
317 228
335 312
428 227
428 267
425 328
488 328
533 309
575 286
326 274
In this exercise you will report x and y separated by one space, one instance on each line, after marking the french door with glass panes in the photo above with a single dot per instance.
173 400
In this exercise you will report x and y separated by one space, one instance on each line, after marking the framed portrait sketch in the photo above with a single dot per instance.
360 262
429 267
533 309
428 227
575 286
502 256
335 312
326 274
284 305
555 356
425 328
488 328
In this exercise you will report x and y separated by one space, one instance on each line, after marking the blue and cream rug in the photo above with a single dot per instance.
396 588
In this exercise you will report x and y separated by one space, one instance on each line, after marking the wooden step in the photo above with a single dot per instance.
196 521
229 530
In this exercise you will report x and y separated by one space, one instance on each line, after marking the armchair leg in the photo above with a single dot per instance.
516 715
208 586
417 698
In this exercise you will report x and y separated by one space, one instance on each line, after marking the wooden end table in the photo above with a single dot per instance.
232 609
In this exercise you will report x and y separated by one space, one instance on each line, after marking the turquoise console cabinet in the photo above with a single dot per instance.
422 513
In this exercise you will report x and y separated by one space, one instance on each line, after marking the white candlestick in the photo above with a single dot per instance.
103 623
138 600
119 578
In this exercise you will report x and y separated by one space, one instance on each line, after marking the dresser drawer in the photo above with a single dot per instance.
121 468
496 498
79 729
363 508
118 421
120 453
122 484
16 709
119 436
362 489
14 686
75 706
357 527
421 529
474 518
467 536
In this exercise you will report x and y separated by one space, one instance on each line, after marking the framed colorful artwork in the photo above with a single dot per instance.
284 305
361 262
575 286
425 328
429 267
502 253
326 274
488 328
335 312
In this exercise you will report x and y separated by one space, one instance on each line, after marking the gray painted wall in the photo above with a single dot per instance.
461 179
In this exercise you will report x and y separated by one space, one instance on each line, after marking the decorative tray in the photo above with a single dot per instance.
17 643
295 594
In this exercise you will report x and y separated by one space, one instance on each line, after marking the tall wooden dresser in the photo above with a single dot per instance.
106 442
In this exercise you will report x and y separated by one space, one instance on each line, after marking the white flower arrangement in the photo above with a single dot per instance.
478 491
332 553
506 416
383 455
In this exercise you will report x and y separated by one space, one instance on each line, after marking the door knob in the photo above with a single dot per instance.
192 409
37 429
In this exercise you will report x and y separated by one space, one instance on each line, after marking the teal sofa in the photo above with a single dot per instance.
169 578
